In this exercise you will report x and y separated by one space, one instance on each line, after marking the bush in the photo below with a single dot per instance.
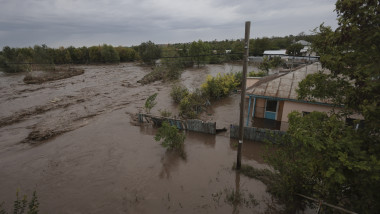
21 206
173 71
155 75
258 74
165 113
165 73
193 104
178 93
172 139
220 86
238 77
276 61
150 103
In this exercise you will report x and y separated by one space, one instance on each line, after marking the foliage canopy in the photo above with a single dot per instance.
150 102
321 156
171 138
149 52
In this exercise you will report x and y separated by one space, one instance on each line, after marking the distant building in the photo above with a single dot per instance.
304 43
276 53
273 53
306 50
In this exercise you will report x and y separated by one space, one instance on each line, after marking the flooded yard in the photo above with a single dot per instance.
73 142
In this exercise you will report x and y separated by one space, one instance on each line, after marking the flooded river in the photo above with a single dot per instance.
73 142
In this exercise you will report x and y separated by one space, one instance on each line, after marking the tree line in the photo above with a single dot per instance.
197 52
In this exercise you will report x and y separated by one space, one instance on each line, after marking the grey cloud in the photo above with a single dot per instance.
127 22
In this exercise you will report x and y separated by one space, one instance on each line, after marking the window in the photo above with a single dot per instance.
355 123
271 106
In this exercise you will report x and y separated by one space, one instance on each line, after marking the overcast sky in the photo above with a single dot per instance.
129 22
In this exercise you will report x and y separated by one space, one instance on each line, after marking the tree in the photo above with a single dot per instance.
199 51
109 54
328 159
95 54
16 59
294 49
149 52
265 65
126 54
319 157
150 102
172 139
43 57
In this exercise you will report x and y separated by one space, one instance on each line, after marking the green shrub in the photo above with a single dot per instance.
193 104
258 74
238 78
276 61
171 138
150 103
21 206
173 71
220 86
265 65
155 75
178 93
163 72
165 113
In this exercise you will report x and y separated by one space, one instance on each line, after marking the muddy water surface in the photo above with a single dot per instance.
72 141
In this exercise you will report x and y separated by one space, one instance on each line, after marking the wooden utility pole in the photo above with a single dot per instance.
243 87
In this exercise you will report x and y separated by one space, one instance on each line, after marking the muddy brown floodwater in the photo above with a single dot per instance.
73 142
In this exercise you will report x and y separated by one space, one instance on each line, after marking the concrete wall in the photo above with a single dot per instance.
290 106
286 107
302 107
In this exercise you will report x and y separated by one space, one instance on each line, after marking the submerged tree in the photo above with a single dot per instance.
198 51
150 102
171 138
149 52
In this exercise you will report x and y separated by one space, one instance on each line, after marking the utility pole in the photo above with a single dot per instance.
243 87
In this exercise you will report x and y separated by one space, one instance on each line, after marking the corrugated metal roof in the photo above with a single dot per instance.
283 85
275 52
303 42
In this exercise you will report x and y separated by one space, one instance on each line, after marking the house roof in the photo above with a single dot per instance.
283 85
303 42
275 52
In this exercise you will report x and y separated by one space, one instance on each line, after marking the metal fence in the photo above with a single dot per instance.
255 134
190 125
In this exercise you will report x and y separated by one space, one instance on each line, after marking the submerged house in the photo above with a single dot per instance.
273 97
